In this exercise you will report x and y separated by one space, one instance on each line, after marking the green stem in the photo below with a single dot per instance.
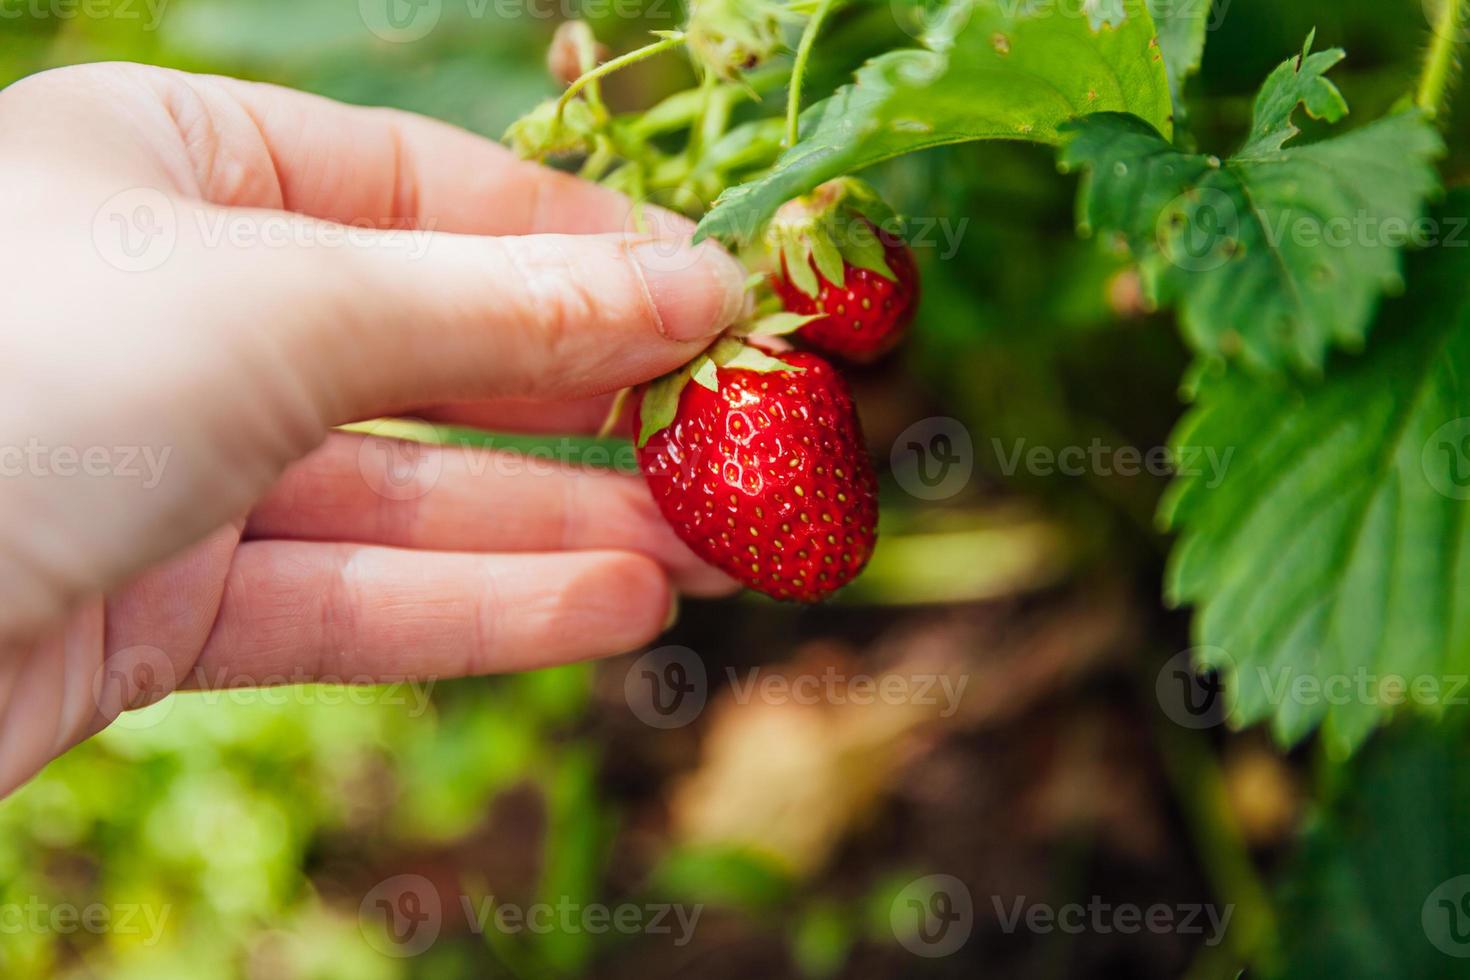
1199 787
599 160
798 68
617 64
587 61
712 116
1439 63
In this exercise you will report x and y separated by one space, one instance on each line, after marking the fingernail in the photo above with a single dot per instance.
673 616
697 290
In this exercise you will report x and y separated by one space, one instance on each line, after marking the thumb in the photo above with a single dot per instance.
409 317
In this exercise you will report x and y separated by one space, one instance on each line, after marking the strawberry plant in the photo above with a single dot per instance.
1330 544
830 253
1316 271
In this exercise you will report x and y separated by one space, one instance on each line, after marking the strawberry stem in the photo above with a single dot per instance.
586 62
798 68
614 413
666 43
1439 62
714 113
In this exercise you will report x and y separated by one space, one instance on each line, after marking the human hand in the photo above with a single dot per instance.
186 320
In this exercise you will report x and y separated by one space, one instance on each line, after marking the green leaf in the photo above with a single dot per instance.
828 259
1278 253
1378 887
990 70
1301 82
661 400
795 255
706 374
866 252
1334 552
779 324
1181 25
742 357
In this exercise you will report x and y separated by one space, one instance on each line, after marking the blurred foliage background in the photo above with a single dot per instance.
248 832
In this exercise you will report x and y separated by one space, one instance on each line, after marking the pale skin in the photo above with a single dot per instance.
268 544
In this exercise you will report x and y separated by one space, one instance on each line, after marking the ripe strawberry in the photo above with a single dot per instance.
759 465
867 315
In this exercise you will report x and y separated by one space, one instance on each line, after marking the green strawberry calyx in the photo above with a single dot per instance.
727 37
661 399
775 324
551 129
832 227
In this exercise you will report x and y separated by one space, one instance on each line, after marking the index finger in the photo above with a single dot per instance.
252 145
350 163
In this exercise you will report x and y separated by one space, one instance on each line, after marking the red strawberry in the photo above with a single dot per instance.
865 317
765 477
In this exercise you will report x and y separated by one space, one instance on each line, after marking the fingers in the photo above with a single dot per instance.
348 164
381 321
247 144
408 495
123 652
44 700
295 611
391 322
